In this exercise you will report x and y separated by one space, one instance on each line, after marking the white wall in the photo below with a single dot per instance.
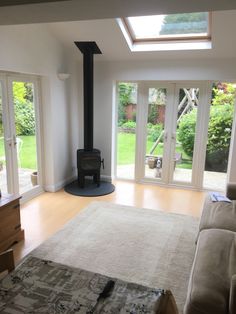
107 73
32 49
75 112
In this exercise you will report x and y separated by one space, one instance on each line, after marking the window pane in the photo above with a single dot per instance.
126 135
3 173
219 136
157 98
172 25
23 97
185 134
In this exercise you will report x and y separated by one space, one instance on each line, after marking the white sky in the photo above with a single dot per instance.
146 26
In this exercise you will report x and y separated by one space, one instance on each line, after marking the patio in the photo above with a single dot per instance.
24 180
212 180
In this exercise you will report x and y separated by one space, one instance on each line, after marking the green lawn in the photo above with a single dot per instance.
126 151
27 153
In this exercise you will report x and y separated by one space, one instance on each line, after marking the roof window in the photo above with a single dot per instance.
172 28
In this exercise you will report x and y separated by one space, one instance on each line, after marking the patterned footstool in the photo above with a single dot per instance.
39 286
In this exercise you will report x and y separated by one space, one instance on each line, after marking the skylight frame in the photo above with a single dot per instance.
168 38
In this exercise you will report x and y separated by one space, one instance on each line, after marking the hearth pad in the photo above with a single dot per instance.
90 188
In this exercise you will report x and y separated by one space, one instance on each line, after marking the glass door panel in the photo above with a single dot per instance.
3 171
126 126
219 136
155 129
25 134
184 136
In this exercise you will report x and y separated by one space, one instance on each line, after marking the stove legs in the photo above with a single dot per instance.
82 174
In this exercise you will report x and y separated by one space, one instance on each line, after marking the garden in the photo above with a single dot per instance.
24 124
219 129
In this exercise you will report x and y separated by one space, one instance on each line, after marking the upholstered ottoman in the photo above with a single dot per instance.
218 215
212 284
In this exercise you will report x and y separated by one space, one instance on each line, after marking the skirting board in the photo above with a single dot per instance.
58 186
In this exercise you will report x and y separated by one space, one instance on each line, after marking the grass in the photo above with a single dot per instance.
126 151
28 158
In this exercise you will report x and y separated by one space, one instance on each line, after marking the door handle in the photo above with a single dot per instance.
9 141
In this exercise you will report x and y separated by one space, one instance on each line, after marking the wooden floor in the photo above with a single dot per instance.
47 213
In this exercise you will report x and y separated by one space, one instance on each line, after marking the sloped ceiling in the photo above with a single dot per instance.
74 10
110 39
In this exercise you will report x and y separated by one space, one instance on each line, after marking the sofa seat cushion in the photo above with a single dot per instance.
213 267
218 215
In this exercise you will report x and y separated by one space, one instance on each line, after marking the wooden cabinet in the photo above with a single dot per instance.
10 226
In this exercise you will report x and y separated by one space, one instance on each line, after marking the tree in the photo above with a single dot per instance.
126 91
224 93
19 92
24 109
185 23
126 96
23 92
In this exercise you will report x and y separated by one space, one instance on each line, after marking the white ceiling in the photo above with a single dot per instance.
110 39
74 10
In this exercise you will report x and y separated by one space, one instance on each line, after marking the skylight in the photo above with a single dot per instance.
185 31
169 27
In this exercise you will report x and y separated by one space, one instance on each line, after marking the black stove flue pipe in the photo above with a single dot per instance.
88 49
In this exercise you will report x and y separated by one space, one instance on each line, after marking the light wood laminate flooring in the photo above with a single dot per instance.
47 213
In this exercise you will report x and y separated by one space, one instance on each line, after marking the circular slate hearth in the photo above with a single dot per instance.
90 188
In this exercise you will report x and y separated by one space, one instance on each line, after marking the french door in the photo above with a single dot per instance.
161 122
20 159
181 135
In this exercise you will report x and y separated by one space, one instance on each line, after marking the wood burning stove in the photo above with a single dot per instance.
89 164
88 159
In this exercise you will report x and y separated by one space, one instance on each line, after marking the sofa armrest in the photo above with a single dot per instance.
231 191
232 295
7 261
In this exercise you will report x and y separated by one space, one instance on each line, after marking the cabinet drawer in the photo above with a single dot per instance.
9 220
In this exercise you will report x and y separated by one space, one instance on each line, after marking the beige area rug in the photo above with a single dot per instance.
143 246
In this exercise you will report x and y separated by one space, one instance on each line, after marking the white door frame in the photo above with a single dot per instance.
202 110
170 130
9 118
141 129
7 134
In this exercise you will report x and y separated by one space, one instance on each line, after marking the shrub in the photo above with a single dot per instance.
219 133
129 125
24 118
223 93
152 113
121 114
154 131
219 130
186 131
